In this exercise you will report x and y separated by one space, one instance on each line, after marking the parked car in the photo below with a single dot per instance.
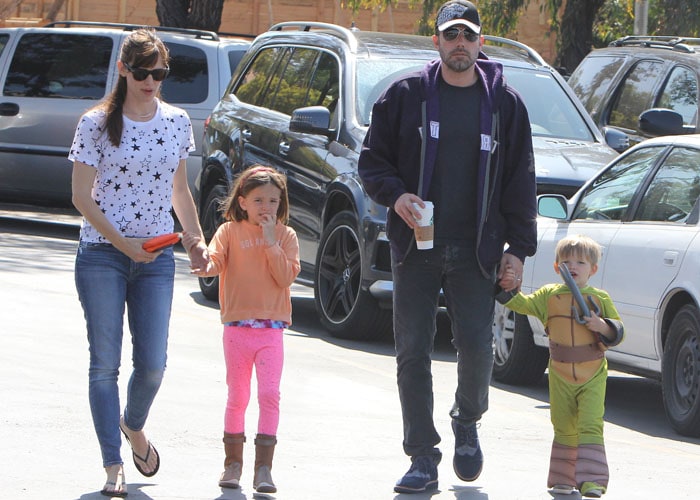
641 86
50 75
301 101
643 209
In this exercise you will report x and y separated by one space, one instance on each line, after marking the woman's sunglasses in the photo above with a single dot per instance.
451 34
140 74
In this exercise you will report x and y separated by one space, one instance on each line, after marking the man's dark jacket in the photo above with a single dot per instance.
390 161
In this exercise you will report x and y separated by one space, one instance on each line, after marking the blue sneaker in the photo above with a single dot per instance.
421 476
468 460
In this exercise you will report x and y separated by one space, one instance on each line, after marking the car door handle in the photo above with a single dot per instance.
284 148
246 134
670 257
9 109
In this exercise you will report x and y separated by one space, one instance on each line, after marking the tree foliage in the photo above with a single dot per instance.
579 26
198 14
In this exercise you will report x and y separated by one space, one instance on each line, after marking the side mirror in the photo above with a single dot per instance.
661 121
616 139
311 120
552 206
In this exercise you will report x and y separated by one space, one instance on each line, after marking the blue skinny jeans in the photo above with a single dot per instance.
108 282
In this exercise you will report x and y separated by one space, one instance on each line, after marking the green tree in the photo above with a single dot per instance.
580 26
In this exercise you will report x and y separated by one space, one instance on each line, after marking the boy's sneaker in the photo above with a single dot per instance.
468 460
562 489
590 489
421 476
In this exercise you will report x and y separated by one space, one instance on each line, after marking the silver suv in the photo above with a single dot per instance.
50 75
301 101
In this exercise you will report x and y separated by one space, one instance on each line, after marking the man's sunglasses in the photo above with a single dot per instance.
140 74
451 34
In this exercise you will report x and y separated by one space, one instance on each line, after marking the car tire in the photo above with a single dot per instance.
210 220
680 379
517 359
345 309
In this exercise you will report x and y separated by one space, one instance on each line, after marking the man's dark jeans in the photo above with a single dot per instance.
470 304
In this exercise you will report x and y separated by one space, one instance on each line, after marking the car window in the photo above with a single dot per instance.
325 86
188 81
674 190
60 66
254 81
289 88
636 94
234 57
608 197
3 42
592 78
680 93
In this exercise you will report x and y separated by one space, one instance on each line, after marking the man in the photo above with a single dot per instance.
453 133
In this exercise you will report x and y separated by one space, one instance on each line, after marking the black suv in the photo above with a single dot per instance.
301 101
642 86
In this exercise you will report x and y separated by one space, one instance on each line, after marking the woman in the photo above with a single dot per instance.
129 156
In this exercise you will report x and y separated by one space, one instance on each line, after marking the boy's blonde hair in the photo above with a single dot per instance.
578 245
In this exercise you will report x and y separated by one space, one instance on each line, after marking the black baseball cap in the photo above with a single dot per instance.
456 12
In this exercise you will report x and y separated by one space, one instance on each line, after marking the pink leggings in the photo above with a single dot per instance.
243 348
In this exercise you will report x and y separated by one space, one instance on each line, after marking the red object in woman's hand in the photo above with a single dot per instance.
163 241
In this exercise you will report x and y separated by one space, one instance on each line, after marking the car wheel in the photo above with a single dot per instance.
517 359
345 309
680 377
211 219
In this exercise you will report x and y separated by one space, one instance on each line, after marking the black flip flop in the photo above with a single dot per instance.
144 460
108 493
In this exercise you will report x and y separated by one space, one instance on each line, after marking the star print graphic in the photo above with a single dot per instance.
123 169
123 224
136 147
156 176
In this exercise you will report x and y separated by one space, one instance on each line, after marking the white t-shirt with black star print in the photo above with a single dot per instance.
134 182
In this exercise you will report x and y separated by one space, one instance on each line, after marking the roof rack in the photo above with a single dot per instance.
679 43
343 33
531 53
130 27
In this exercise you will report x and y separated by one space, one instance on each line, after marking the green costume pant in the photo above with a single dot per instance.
576 411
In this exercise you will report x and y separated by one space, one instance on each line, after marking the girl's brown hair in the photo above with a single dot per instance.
253 177
139 50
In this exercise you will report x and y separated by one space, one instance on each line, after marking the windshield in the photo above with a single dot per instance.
375 75
552 112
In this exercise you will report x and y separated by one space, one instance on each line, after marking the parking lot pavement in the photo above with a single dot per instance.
340 431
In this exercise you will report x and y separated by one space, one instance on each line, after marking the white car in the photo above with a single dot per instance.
643 209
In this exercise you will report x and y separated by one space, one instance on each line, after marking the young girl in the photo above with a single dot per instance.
257 258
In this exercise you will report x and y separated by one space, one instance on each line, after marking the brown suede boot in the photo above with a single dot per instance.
264 450
233 463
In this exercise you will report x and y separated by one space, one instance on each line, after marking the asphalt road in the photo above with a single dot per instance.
340 430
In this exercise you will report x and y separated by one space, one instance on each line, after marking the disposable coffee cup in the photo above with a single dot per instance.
424 229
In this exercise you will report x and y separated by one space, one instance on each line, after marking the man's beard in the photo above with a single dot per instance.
458 65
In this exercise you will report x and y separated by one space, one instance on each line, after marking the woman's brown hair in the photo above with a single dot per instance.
255 176
140 49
